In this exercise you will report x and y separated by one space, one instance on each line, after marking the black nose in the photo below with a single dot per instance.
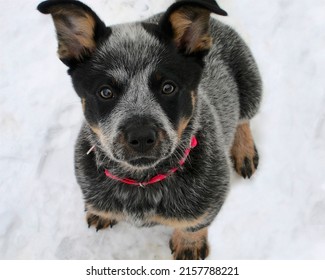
141 138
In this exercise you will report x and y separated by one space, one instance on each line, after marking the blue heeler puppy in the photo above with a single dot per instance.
167 105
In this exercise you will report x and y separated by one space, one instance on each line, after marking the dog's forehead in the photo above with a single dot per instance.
130 48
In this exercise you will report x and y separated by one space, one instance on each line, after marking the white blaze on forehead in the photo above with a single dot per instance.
118 74
131 32
139 93
130 41
139 100
128 50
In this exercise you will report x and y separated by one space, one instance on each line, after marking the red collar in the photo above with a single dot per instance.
158 177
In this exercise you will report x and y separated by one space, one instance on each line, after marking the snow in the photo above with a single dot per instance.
278 214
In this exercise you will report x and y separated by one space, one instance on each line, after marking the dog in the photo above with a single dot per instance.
167 105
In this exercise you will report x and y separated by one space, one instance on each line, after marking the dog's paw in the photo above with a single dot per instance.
99 222
243 152
192 251
246 163
187 247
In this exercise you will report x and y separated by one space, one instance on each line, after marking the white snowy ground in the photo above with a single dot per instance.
279 214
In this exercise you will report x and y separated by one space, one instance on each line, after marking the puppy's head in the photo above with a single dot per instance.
137 82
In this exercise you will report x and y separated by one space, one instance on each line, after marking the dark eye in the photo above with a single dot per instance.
168 88
106 93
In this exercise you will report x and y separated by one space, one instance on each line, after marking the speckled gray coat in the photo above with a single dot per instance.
229 91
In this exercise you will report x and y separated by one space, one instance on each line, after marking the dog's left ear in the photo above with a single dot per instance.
187 22
78 28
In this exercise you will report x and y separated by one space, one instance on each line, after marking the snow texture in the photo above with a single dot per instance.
279 214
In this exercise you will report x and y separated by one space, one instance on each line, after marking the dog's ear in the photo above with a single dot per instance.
78 28
187 23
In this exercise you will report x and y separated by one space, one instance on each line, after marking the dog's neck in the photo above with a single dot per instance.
160 176
120 170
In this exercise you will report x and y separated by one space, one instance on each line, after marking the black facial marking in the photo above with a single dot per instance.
89 84
183 71
185 74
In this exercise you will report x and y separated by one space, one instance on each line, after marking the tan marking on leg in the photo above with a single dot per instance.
176 223
190 245
105 215
243 150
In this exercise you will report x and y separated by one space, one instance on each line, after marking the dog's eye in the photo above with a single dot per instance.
168 88
106 93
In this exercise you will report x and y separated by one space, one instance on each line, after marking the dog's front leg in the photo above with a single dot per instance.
188 245
244 153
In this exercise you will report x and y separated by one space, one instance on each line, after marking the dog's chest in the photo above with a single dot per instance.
140 219
149 206
141 206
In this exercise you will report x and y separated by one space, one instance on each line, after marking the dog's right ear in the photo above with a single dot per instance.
78 29
187 23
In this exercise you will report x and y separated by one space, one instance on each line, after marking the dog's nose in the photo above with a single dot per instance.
141 138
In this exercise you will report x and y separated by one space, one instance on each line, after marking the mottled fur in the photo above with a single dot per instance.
218 90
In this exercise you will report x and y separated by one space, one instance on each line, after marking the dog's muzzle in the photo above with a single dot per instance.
141 142
141 139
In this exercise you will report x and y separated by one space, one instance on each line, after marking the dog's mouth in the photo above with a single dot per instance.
143 161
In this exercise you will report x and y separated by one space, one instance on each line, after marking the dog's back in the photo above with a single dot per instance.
231 79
